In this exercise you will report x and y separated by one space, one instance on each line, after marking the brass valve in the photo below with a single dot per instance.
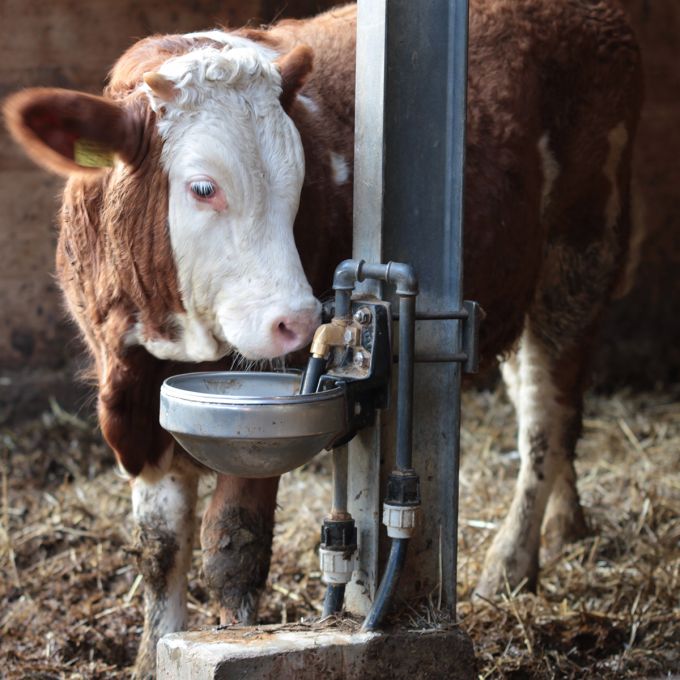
339 332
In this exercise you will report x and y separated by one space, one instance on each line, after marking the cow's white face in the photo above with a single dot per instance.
235 165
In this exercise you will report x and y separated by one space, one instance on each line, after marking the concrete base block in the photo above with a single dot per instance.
274 653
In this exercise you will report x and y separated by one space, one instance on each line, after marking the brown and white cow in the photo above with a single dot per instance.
229 149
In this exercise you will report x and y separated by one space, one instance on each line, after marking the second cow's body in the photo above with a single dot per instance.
155 256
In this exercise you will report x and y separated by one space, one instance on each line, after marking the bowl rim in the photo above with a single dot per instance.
170 391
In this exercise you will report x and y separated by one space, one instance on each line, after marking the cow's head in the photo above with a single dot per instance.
231 167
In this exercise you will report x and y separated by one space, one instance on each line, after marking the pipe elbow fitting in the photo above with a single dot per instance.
403 276
347 274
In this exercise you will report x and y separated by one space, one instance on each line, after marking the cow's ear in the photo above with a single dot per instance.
161 86
67 131
295 67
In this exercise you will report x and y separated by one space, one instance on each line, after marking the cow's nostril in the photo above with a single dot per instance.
292 332
287 332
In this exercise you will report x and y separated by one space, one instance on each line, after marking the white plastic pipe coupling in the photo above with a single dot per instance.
400 520
336 566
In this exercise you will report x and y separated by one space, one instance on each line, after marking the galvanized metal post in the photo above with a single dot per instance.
365 449
410 144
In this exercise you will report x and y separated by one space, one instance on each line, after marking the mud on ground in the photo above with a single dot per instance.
607 607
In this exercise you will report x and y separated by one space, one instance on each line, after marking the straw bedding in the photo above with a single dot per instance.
608 606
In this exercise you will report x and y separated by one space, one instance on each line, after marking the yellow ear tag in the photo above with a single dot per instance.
90 154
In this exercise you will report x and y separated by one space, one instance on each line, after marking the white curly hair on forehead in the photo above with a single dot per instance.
241 65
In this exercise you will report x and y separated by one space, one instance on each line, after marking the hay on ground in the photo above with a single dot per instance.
608 606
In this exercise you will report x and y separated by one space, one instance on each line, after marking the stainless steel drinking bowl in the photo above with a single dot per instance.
250 424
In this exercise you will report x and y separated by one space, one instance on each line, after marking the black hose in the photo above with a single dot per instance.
332 601
310 379
395 564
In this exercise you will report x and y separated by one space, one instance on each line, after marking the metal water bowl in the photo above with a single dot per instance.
250 424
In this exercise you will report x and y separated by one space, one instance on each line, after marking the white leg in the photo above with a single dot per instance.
164 507
510 373
545 420
564 521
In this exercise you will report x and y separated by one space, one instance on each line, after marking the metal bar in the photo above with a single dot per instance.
454 357
454 216
425 83
368 136
437 316
365 448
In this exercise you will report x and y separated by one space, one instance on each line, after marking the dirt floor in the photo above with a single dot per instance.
608 606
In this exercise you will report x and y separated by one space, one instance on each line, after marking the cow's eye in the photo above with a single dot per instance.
206 193
202 188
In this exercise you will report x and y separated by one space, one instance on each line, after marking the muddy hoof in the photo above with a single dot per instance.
505 570
236 557
561 529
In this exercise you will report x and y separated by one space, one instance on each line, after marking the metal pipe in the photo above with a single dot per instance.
399 274
407 309
403 276
343 303
395 565
339 480
345 276
335 592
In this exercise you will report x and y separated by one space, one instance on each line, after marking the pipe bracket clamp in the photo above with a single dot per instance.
337 566
400 520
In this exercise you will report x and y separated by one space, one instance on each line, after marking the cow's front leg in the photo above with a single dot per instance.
164 506
549 412
236 539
